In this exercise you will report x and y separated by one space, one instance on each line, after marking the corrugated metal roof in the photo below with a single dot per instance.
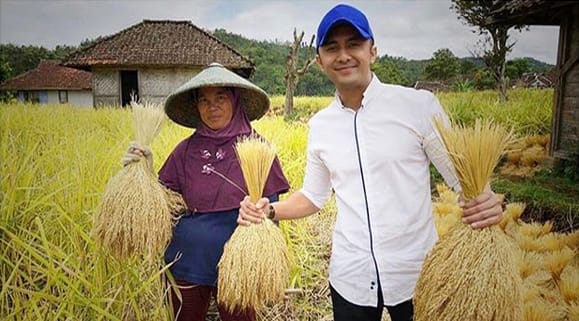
50 75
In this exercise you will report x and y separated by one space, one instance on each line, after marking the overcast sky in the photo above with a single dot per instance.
413 29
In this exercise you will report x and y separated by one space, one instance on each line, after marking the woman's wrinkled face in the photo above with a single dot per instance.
215 106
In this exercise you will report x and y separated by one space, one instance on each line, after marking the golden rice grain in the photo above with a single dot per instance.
133 216
461 281
254 267
471 274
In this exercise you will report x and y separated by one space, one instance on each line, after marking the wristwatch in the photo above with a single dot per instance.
271 212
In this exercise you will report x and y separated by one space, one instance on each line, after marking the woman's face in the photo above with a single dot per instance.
215 107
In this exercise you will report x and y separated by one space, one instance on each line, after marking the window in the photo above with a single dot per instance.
33 97
63 96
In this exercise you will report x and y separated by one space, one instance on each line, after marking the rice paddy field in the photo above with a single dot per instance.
55 162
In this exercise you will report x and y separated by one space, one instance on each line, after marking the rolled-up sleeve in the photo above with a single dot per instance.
316 185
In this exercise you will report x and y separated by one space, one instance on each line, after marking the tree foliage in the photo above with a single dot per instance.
387 71
494 46
442 66
517 67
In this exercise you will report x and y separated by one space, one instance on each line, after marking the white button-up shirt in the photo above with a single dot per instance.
375 161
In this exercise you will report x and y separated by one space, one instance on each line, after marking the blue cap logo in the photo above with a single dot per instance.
343 13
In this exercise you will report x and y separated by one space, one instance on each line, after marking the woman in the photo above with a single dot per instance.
204 169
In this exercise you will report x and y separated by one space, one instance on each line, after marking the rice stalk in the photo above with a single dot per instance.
471 274
148 121
474 151
255 157
133 217
254 267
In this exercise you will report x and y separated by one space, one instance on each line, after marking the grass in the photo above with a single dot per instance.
548 198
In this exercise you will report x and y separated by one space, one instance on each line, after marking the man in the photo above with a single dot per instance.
372 146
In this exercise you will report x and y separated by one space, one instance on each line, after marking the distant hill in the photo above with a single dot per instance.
270 61
270 58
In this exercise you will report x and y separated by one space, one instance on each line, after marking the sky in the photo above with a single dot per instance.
413 29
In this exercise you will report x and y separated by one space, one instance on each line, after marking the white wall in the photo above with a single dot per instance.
156 84
81 98
78 98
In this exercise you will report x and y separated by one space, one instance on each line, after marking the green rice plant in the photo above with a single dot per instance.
529 112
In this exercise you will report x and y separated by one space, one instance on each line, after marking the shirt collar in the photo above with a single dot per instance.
371 91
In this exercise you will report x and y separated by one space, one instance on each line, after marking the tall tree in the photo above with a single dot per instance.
495 45
293 71
387 71
516 68
442 66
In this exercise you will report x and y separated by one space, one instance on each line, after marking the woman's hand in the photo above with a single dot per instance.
135 153
485 210
250 213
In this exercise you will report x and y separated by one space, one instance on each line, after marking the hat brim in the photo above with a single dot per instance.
180 108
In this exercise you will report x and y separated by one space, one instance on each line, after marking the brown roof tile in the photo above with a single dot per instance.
528 12
159 43
50 75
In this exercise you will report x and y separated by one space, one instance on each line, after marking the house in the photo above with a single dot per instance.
432 86
535 81
51 83
151 59
565 14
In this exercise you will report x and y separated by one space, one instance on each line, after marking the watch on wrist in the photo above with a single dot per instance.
271 212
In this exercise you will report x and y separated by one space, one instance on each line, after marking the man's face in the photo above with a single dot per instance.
345 58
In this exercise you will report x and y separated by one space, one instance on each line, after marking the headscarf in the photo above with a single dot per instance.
205 170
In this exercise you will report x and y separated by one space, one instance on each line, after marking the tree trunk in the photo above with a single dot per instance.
290 85
290 79
293 73
498 63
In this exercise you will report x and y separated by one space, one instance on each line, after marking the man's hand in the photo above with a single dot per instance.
485 210
250 213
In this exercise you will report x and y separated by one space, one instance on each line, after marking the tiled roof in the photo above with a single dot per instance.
50 75
161 43
532 12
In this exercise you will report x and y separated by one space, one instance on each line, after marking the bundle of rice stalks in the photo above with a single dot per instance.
254 267
569 284
535 229
556 261
541 310
571 239
471 274
512 214
529 263
573 311
133 217
447 213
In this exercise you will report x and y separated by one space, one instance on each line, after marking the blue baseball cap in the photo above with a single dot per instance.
343 13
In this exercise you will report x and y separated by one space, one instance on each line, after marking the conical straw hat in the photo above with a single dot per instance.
179 105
